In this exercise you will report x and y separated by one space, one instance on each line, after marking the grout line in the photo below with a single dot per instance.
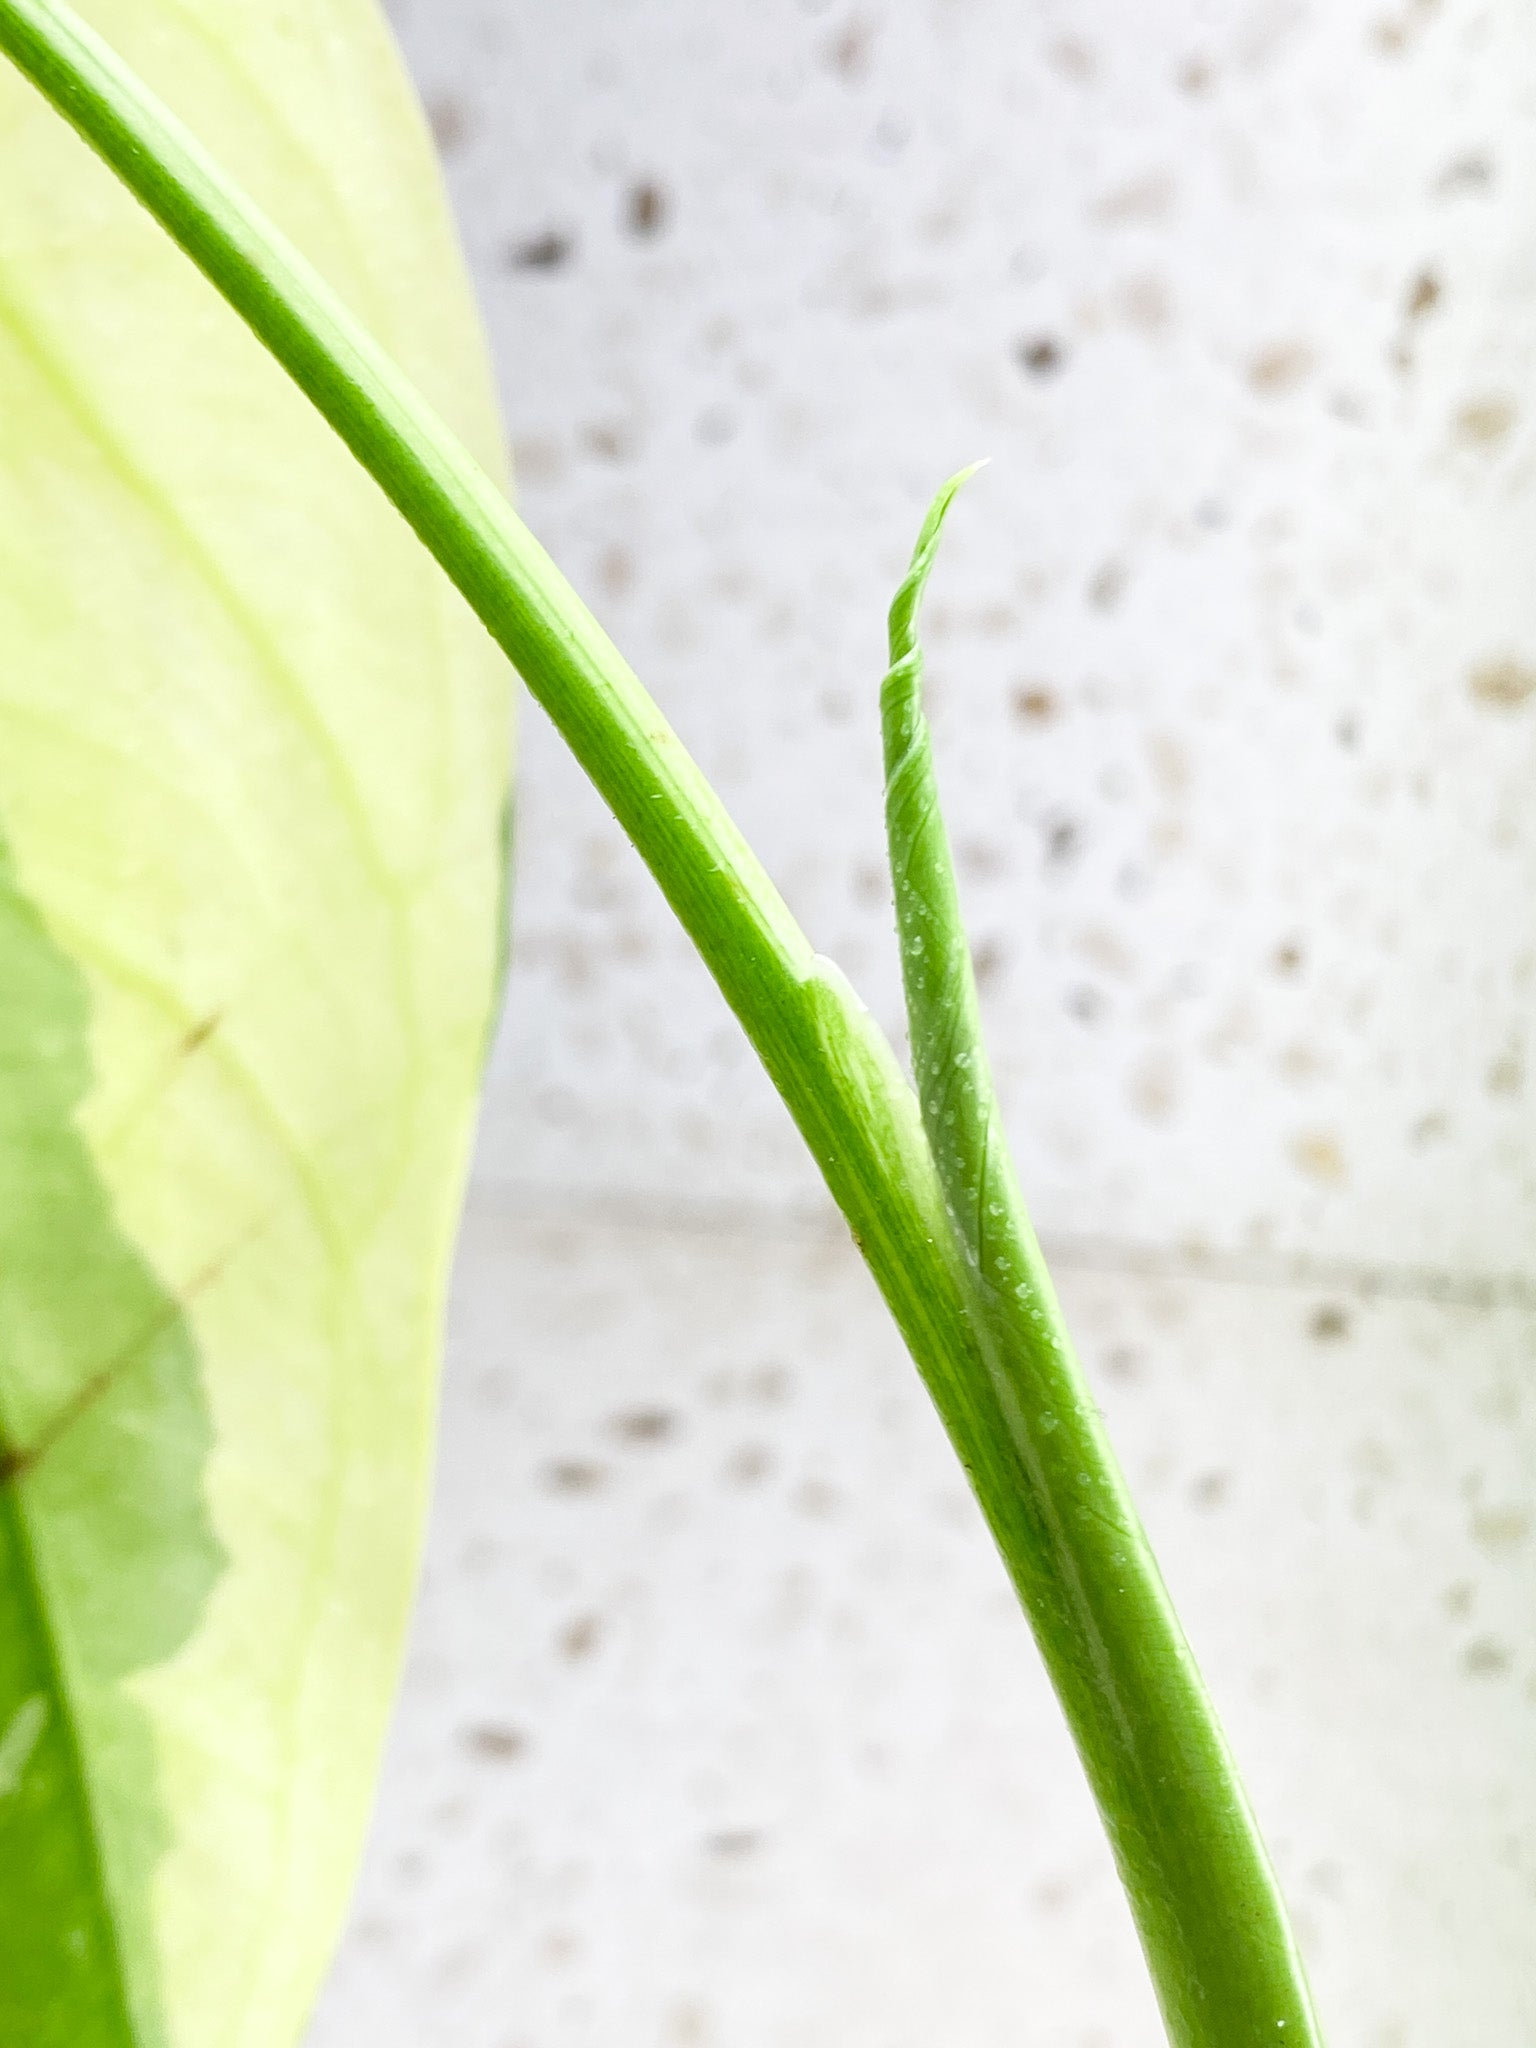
647 1211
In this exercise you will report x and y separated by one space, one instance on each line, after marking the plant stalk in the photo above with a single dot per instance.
1204 1898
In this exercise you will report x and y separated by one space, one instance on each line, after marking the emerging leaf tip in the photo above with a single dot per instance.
904 606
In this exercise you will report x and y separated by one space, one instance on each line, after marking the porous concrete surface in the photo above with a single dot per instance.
1233 647
720 1726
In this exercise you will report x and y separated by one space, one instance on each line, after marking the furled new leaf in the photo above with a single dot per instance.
252 776
1206 1905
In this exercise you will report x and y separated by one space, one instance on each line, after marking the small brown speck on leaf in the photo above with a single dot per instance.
199 1034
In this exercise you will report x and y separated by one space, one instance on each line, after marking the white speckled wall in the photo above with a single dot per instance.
721 1728
1233 646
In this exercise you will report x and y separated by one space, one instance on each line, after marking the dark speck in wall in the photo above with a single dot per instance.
1423 294
1506 1075
576 1475
1280 368
1485 1658
549 251
988 959
645 1426
1470 173
1504 682
1063 842
815 1498
733 1842
1041 356
615 570
1210 1490
689 2025
1034 705
772 1383
1073 59
1289 957
449 120
1501 1528
646 209
748 1465
580 1637
608 441
850 51
497 1744
1484 422
1329 1323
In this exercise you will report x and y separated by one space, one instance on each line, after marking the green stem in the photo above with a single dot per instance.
1210 1918
1107 1631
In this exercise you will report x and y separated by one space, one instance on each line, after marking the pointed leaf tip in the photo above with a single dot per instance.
909 596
